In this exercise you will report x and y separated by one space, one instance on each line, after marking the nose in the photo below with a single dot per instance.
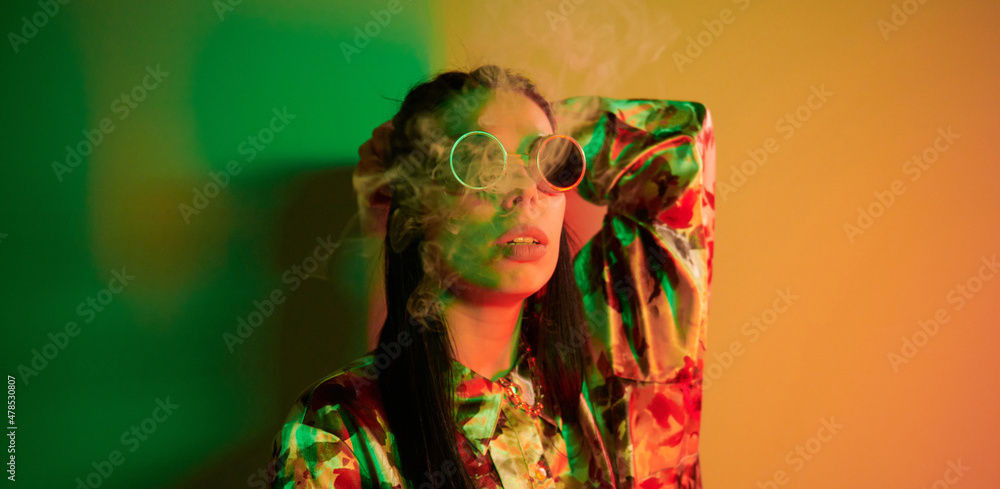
518 188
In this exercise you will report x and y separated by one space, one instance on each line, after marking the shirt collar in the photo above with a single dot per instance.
478 400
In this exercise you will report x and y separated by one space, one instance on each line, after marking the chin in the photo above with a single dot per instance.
508 277
522 288
511 283
525 278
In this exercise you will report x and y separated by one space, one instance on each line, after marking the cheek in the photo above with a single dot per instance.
553 226
480 212
555 217
472 245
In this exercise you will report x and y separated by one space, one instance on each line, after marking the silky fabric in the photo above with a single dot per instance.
645 280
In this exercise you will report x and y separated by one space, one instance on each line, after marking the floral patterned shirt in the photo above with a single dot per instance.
645 279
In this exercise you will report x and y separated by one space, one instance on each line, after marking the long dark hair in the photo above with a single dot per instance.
416 387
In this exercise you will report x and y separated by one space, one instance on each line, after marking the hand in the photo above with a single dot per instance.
373 192
372 152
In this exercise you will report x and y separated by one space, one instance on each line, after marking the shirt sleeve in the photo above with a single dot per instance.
306 456
645 278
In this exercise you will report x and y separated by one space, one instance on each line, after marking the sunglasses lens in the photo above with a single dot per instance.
477 160
562 162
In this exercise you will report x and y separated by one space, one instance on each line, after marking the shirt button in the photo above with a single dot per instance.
540 473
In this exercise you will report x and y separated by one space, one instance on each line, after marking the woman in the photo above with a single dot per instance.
505 362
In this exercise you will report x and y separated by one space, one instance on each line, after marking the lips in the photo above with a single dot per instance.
524 231
524 243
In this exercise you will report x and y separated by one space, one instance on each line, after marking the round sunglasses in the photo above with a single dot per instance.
478 160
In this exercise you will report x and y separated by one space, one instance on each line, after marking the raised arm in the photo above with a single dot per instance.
642 154
646 276
652 162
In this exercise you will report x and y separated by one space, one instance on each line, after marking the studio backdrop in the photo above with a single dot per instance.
180 253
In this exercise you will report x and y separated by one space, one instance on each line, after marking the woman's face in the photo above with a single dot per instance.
484 243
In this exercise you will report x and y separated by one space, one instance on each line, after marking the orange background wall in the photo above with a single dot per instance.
781 224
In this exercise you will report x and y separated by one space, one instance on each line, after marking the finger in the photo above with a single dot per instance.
380 137
370 161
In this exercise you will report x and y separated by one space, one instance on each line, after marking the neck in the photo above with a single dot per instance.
485 333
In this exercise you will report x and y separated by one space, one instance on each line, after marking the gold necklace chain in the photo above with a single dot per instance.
511 391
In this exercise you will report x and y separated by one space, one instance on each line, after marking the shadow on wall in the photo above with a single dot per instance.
319 324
